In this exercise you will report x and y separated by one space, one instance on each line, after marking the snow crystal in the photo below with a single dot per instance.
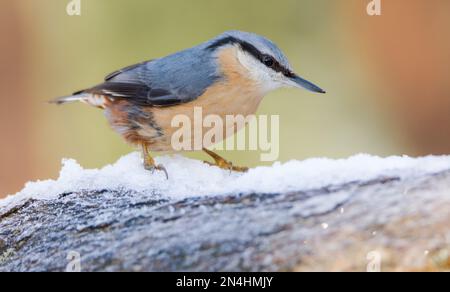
192 178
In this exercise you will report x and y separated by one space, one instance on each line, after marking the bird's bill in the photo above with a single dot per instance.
299 82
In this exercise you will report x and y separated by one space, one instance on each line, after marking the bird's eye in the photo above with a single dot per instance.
268 61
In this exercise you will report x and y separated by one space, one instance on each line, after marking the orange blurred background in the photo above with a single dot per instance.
387 76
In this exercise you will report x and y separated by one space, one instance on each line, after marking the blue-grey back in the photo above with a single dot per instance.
186 74
180 77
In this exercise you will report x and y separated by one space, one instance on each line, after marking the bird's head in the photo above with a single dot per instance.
264 61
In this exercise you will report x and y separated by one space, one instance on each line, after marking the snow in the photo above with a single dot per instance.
193 178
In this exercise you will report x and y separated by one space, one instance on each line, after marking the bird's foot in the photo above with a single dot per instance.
222 163
150 164
227 166
153 168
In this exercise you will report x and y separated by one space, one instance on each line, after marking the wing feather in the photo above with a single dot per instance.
137 93
173 80
123 70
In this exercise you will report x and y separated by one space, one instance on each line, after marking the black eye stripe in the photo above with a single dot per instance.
252 50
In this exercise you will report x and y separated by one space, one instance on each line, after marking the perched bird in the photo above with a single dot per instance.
227 75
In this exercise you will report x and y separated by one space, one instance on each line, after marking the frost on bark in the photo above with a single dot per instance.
388 223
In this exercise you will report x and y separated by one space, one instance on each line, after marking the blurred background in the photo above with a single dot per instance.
387 76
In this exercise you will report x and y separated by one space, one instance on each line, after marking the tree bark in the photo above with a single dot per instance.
387 224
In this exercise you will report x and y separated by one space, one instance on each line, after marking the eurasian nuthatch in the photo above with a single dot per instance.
228 75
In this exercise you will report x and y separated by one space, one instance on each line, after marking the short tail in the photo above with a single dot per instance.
99 101
71 98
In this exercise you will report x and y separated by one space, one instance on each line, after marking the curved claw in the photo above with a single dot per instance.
159 167
149 162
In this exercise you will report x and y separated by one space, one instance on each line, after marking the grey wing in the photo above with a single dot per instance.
127 83
164 82
123 70
138 93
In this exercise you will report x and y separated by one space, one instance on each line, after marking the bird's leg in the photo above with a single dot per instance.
222 163
149 162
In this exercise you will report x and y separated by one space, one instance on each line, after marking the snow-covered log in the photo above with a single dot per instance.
358 214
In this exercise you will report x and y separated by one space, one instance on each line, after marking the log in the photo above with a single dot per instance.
389 223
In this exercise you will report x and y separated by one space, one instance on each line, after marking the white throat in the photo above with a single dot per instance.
266 78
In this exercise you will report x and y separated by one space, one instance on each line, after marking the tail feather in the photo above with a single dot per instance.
69 99
99 101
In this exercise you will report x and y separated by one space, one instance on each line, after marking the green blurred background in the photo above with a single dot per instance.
387 76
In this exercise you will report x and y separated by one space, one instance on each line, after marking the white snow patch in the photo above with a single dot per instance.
192 178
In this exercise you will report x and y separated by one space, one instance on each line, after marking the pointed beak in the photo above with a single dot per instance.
302 83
